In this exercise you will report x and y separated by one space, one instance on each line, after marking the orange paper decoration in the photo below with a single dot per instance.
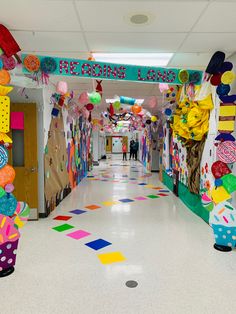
7 175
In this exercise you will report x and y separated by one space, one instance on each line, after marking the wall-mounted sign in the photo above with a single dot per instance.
113 71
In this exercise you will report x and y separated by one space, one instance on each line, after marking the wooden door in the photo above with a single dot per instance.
24 157
108 144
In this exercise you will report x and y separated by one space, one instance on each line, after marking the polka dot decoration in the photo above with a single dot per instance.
3 156
4 114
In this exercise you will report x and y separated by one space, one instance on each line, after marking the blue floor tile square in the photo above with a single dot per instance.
126 200
98 244
78 211
142 184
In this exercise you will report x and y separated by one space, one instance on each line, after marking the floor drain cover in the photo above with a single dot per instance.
131 284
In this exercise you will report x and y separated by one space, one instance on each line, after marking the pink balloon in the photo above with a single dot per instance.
152 102
163 87
83 98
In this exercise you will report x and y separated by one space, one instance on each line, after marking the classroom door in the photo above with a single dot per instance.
108 144
24 157
117 144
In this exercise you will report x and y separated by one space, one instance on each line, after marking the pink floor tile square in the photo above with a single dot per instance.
140 198
79 234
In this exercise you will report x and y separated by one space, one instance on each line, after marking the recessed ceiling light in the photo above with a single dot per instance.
145 59
139 19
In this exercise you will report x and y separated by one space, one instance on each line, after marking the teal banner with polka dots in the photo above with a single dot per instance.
111 71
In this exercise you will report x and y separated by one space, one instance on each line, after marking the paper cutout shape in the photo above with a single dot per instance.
55 112
8 204
78 211
227 111
140 198
219 194
162 194
126 200
142 184
3 156
113 257
8 232
226 126
8 254
152 196
21 214
63 227
98 244
92 207
4 114
17 120
79 234
109 203
65 218
226 152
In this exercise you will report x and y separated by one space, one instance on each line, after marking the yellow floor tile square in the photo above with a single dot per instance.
149 186
113 257
109 203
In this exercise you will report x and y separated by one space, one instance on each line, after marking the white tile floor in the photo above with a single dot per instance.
168 251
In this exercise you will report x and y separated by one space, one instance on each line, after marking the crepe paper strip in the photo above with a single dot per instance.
65 218
79 234
92 207
63 227
17 120
98 244
112 257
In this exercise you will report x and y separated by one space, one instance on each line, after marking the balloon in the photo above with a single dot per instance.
116 105
7 175
163 87
152 102
136 109
89 107
95 98
153 118
83 98
62 88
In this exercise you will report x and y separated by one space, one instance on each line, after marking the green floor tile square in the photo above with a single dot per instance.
152 196
63 227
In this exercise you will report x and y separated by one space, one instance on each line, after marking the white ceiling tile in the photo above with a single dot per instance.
190 60
165 16
219 17
209 42
39 15
50 41
124 42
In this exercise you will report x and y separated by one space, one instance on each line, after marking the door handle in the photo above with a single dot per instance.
33 169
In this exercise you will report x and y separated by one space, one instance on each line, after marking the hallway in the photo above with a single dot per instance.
161 241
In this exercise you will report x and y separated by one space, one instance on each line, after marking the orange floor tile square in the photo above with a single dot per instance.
92 207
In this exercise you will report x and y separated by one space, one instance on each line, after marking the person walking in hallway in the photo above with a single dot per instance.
124 151
131 149
136 148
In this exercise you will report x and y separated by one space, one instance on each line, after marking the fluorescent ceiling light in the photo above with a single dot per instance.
146 59
138 101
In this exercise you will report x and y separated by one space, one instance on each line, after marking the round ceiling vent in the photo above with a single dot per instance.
139 18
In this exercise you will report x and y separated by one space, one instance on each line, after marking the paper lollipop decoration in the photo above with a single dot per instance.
7 175
136 109
8 204
31 63
3 157
95 98
228 77
62 87
48 65
83 98
21 214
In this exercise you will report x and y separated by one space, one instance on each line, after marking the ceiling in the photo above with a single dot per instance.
191 29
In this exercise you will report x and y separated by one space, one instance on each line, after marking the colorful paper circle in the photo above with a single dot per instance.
3 157
48 65
228 77
223 89
8 204
183 76
32 63
8 63
5 77
7 175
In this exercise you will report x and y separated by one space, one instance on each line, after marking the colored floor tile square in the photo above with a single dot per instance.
152 196
148 186
124 176
109 203
162 194
63 227
78 211
113 257
98 244
156 188
132 178
65 218
92 207
164 191
142 184
126 200
90 176
140 198
104 180
79 234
